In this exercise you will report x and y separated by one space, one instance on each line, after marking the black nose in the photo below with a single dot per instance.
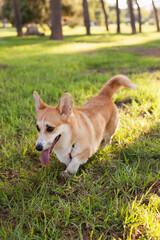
39 147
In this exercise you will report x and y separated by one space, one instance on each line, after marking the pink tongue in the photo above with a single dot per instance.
45 156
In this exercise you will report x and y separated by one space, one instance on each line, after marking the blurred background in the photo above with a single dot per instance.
55 17
116 194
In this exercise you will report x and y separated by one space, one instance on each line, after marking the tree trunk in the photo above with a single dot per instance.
86 17
56 25
4 23
156 16
118 16
17 17
105 15
139 16
130 6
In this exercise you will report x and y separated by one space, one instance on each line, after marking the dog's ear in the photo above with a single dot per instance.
38 101
65 105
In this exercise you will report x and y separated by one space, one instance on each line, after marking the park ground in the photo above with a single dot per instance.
116 194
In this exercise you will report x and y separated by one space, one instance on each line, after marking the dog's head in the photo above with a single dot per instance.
53 124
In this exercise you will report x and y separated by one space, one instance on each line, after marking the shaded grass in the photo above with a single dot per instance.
104 199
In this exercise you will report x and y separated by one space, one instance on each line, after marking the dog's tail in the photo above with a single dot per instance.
115 83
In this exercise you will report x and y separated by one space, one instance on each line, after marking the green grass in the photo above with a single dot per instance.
113 194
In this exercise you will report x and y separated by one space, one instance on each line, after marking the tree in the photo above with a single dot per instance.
130 6
86 16
38 12
56 15
17 17
118 16
32 11
105 15
1 14
139 16
72 13
156 15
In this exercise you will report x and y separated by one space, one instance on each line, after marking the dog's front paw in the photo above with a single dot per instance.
65 174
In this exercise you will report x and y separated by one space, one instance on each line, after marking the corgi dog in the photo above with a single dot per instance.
74 134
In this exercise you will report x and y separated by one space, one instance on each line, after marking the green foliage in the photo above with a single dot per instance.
110 196
96 13
7 10
31 11
68 8
76 13
35 11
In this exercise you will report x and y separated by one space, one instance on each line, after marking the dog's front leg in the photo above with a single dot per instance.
66 160
76 161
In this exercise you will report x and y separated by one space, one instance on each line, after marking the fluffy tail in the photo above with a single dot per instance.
115 83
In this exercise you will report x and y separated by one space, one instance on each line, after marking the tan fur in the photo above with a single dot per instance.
84 127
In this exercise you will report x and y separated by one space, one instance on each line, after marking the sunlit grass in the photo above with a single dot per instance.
105 198
80 42
80 30
143 218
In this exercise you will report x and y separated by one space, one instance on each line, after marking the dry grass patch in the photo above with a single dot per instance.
3 67
140 51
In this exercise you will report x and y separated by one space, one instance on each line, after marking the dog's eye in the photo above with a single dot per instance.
50 129
38 128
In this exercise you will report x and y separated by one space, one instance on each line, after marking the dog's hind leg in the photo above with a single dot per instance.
111 128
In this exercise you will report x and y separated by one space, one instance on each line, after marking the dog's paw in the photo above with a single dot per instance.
65 174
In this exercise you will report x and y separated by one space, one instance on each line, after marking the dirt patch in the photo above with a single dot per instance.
5 217
4 213
85 232
149 52
97 71
143 114
155 72
3 67
138 232
93 52
123 103
118 235
155 188
152 188
9 176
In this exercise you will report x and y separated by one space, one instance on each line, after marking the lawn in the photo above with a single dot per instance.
116 194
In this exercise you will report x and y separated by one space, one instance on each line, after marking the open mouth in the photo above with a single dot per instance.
45 153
